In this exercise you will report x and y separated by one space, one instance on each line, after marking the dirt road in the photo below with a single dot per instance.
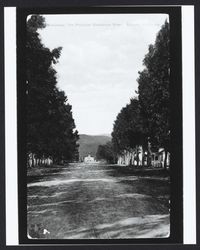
83 201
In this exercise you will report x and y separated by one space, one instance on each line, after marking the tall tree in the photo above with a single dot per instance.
50 125
106 152
128 131
154 96
145 121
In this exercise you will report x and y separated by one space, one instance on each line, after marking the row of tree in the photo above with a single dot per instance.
50 126
145 120
106 152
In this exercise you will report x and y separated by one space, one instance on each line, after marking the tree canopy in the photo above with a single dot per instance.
146 118
106 152
50 124
128 130
153 89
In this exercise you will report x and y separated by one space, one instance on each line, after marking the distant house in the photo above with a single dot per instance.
89 159
158 158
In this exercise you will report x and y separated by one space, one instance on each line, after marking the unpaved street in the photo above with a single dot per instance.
82 201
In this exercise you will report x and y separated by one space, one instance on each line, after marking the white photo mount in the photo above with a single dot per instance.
189 166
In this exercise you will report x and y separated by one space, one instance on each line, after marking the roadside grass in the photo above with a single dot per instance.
140 171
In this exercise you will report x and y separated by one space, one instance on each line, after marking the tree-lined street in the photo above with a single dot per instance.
96 200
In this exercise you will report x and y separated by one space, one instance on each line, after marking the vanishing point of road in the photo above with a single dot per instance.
85 201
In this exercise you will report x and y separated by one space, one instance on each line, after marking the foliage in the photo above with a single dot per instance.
128 130
153 90
146 119
106 152
50 125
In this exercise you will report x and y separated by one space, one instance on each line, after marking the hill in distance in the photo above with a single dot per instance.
88 144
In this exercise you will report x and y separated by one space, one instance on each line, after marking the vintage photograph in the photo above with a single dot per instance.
98 143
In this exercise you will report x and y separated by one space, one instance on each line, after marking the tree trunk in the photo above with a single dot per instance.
137 156
32 161
148 155
165 160
148 159
143 157
28 161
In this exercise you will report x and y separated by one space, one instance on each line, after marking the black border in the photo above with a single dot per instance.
197 113
2 134
64 3
176 219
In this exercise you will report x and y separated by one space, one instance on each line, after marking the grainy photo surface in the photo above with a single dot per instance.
98 126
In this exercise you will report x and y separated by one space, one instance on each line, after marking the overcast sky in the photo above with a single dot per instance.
100 60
